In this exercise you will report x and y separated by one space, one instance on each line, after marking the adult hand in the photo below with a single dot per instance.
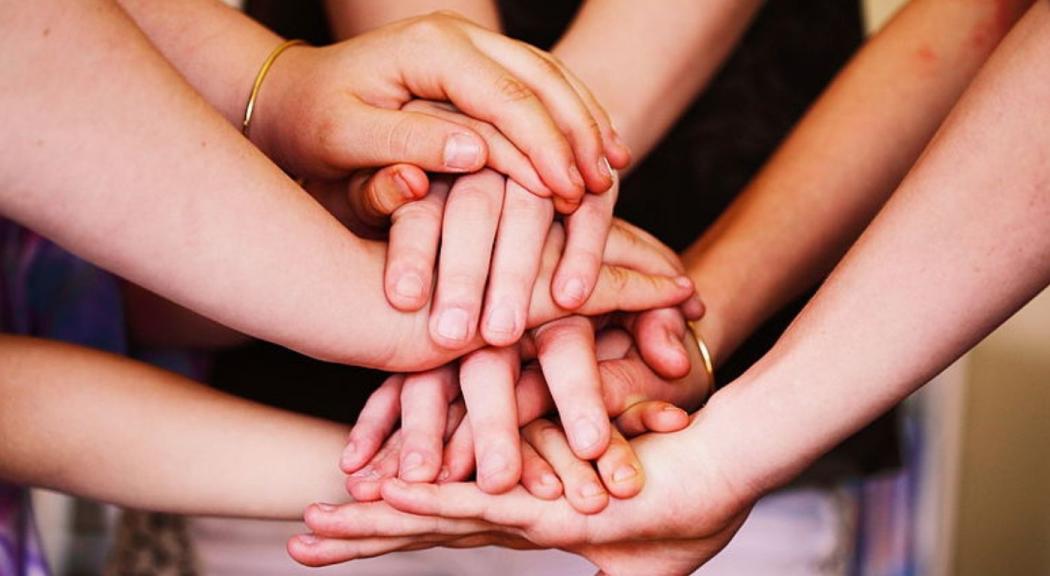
330 106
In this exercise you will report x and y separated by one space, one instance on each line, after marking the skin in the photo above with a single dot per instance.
918 316
276 265
696 38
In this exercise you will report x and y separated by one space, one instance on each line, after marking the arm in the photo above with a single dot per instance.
963 244
115 430
155 186
352 17
602 48
317 102
833 173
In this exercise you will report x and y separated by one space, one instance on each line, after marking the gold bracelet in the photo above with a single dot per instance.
705 353
249 110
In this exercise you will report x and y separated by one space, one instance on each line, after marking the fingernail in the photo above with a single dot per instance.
445 474
605 168
326 508
585 434
684 282
403 187
409 285
624 473
462 152
453 324
492 465
549 479
308 539
574 176
670 408
590 490
412 460
502 320
574 290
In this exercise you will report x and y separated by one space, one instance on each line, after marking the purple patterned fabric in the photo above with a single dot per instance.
48 293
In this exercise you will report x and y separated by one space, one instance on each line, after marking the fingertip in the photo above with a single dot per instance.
571 292
664 417
464 152
407 290
589 437
625 481
693 309
590 498
565 206
412 180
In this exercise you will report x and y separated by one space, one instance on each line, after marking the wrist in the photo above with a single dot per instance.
272 131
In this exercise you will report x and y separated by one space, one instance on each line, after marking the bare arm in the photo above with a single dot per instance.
109 153
115 430
676 46
351 17
836 169
961 246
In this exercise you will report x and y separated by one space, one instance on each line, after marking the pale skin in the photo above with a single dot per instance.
112 429
836 169
251 250
968 233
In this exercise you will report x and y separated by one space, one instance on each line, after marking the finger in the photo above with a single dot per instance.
515 264
537 476
460 500
583 489
659 335
458 459
363 484
627 290
374 196
620 469
467 234
586 233
532 395
314 551
567 358
631 247
487 378
651 416
503 156
569 111
379 520
425 400
374 424
415 231
487 90
367 136
616 151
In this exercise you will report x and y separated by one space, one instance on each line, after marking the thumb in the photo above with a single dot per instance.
381 137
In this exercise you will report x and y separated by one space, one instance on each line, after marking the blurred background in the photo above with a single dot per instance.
980 437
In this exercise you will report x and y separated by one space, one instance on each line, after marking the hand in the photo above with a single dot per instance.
377 197
691 508
434 444
322 100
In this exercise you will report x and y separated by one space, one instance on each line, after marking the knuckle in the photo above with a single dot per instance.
512 89
400 137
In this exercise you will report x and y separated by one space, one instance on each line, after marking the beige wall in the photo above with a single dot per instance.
1004 488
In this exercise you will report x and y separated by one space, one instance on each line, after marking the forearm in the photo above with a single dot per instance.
962 245
834 172
602 48
108 152
351 17
217 49
115 430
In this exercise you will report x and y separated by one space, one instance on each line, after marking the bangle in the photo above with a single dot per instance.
705 353
249 110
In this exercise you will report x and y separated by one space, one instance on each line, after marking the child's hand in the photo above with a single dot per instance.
336 109
436 442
